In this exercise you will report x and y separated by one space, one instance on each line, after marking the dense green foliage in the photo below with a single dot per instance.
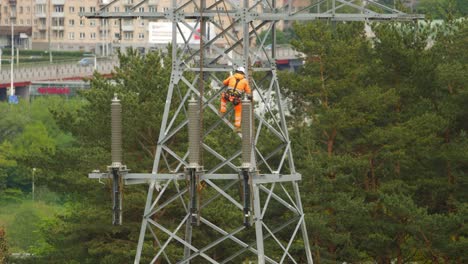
378 129
443 9
282 36
4 252
385 142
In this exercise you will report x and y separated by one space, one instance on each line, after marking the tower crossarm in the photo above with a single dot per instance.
263 16
138 178
267 10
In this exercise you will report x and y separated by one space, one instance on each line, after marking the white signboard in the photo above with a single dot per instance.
161 32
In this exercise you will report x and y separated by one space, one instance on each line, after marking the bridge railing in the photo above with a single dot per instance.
55 71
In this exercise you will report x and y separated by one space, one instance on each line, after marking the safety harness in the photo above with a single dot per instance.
233 95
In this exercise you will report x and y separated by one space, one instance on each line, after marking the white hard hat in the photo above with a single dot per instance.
241 69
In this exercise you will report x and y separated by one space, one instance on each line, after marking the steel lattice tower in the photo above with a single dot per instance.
193 173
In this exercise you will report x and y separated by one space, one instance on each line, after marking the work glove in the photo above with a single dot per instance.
157 186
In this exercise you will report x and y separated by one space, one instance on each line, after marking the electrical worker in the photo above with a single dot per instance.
237 85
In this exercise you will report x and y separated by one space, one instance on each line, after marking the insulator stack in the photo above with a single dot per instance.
246 123
116 127
194 132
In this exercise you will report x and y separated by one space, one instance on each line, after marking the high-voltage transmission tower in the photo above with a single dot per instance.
201 164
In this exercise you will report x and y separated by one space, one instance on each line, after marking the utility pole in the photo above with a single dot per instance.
49 18
12 61
33 179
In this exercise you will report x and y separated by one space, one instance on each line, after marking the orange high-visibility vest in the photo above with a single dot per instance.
242 85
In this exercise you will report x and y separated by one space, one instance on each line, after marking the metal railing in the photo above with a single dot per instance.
56 71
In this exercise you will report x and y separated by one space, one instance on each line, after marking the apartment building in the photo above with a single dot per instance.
56 24
20 14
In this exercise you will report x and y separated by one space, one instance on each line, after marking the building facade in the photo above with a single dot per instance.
57 25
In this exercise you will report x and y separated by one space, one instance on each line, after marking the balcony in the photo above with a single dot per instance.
58 14
41 2
41 15
57 27
41 27
58 2
104 2
127 27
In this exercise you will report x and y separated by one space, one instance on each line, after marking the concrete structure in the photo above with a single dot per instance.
29 90
50 74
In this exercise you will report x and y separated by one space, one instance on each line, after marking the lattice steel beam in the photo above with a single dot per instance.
270 175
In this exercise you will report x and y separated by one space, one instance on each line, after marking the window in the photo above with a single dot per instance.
128 35
153 8
82 9
58 8
71 22
166 9
41 9
92 9
28 22
71 9
28 10
141 35
5 9
82 35
58 22
128 9
71 35
82 22
92 22
141 9
93 35
116 9
21 22
21 10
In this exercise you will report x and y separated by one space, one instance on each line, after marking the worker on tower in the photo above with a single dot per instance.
237 85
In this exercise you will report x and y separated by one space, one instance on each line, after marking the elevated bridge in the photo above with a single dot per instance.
53 71
26 74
